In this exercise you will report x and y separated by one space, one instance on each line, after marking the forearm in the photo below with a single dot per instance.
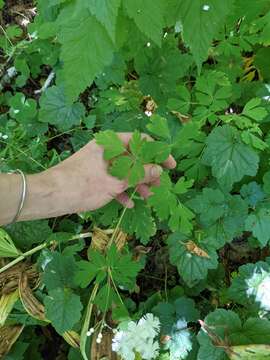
44 196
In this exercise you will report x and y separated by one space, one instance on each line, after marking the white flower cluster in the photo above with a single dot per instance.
138 338
259 286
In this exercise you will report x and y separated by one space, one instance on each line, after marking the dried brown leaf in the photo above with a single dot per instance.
8 336
195 249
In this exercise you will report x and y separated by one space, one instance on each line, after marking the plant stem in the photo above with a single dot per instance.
119 222
23 256
86 323
36 249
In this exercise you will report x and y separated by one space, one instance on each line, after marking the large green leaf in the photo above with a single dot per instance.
191 266
259 224
60 271
63 309
86 48
55 109
228 156
106 12
201 22
148 16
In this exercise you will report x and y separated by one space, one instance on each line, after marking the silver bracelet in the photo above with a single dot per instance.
23 195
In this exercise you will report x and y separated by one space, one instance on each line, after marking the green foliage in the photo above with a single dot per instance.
63 309
192 75
56 110
191 266
229 158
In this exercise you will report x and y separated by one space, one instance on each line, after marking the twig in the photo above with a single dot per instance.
47 83
36 249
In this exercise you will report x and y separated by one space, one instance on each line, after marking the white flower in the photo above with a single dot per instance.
138 338
148 113
259 286
5 137
180 342
206 7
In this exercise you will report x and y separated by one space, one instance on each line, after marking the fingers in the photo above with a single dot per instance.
144 191
152 173
124 200
170 163
126 137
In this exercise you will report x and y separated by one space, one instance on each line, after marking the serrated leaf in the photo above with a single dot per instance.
210 204
253 193
139 221
229 157
190 266
259 225
155 152
159 127
63 309
59 272
136 173
85 52
89 270
112 144
201 22
181 219
106 12
123 268
182 186
254 111
121 166
147 16
7 247
55 109
163 200
253 140
169 313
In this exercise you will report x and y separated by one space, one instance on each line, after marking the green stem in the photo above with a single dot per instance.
119 222
23 256
86 323
36 249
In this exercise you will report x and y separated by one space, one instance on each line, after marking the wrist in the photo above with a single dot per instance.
43 198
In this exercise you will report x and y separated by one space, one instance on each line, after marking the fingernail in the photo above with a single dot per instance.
156 171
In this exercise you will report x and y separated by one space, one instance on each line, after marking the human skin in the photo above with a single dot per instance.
79 183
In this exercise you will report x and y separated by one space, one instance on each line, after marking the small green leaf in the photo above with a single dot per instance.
112 144
159 127
182 186
121 167
254 111
139 221
155 152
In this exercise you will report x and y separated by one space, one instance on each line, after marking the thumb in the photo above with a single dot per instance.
152 173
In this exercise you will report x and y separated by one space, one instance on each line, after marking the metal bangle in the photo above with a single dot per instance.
23 195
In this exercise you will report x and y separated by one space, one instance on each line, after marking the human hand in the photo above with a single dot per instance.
87 185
